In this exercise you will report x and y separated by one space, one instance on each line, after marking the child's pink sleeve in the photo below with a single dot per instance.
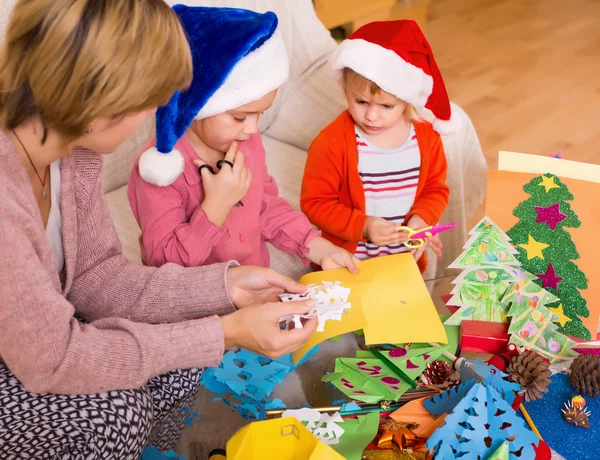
166 234
282 226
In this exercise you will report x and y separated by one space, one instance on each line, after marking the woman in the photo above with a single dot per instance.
98 356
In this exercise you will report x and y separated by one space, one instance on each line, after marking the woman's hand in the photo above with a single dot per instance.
250 286
329 256
417 223
226 188
257 328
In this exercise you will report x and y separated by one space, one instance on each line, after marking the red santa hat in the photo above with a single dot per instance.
396 56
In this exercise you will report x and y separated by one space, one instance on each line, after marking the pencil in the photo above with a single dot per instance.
530 422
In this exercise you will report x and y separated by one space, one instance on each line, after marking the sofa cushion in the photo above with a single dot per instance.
285 163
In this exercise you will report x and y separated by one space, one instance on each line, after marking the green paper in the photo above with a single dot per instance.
501 453
488 262
488 245
397 367
358 433
532 327
480 292
365 383
561 251
452 332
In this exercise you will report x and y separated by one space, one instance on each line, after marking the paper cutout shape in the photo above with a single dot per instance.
393 297
358 433
414 412
491 376
472 373
501 453
331 302
281 438
152 453
325 427
479 425
250 379
489 268
532 327
371 380
505 192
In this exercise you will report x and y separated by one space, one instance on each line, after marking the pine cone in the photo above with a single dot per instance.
437 372
530 370
584 375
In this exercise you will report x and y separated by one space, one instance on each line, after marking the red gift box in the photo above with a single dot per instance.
483 336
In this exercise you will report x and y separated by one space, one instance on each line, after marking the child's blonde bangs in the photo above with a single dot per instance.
354 81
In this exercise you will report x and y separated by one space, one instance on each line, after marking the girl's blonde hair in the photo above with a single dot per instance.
356 82
71 61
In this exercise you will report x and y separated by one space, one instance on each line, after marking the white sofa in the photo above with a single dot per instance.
305 105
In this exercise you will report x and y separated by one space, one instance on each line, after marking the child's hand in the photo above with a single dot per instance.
417 223
226 188
383 233
329 256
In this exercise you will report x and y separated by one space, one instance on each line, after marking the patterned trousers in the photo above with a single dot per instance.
113 425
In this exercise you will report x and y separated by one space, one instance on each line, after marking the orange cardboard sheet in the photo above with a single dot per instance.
505 192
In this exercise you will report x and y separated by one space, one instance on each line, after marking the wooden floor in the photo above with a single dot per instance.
526 71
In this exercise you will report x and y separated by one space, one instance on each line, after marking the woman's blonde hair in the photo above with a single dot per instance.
71 61
356 82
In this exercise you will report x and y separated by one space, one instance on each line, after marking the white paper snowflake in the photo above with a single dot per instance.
331 302
324 426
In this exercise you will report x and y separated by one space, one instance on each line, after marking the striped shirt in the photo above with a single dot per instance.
389 178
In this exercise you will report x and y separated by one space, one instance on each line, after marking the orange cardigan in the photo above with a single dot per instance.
332 194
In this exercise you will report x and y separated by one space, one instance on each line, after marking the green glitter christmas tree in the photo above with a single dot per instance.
547 250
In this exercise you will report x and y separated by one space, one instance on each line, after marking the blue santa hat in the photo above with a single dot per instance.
238 57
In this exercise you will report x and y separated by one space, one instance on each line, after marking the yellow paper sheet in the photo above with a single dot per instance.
505 192
392 295
282 438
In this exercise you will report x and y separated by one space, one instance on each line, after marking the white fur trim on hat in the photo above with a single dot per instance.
445 127
161 169
385 68
254 76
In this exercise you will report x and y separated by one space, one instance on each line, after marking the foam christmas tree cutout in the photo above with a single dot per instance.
546 249
371 380
479 425
532 326
488 262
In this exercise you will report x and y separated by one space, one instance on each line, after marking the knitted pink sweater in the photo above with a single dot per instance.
138 320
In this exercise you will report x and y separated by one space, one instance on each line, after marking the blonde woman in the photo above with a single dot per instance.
98 356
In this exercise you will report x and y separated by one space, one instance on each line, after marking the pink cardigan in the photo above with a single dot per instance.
138 319
175 229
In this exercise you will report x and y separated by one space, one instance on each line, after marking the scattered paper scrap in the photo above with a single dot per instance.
331 302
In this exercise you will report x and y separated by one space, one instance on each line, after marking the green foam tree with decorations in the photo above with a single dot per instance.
546 249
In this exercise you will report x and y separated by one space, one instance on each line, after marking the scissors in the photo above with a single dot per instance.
416 238
212 171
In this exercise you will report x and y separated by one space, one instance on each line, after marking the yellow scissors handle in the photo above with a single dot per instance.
411 243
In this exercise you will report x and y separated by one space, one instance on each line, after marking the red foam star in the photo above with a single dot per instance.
551 215
550 278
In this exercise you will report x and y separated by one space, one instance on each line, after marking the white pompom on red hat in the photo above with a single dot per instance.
396 56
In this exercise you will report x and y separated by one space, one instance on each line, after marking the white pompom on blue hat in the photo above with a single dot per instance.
238 56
